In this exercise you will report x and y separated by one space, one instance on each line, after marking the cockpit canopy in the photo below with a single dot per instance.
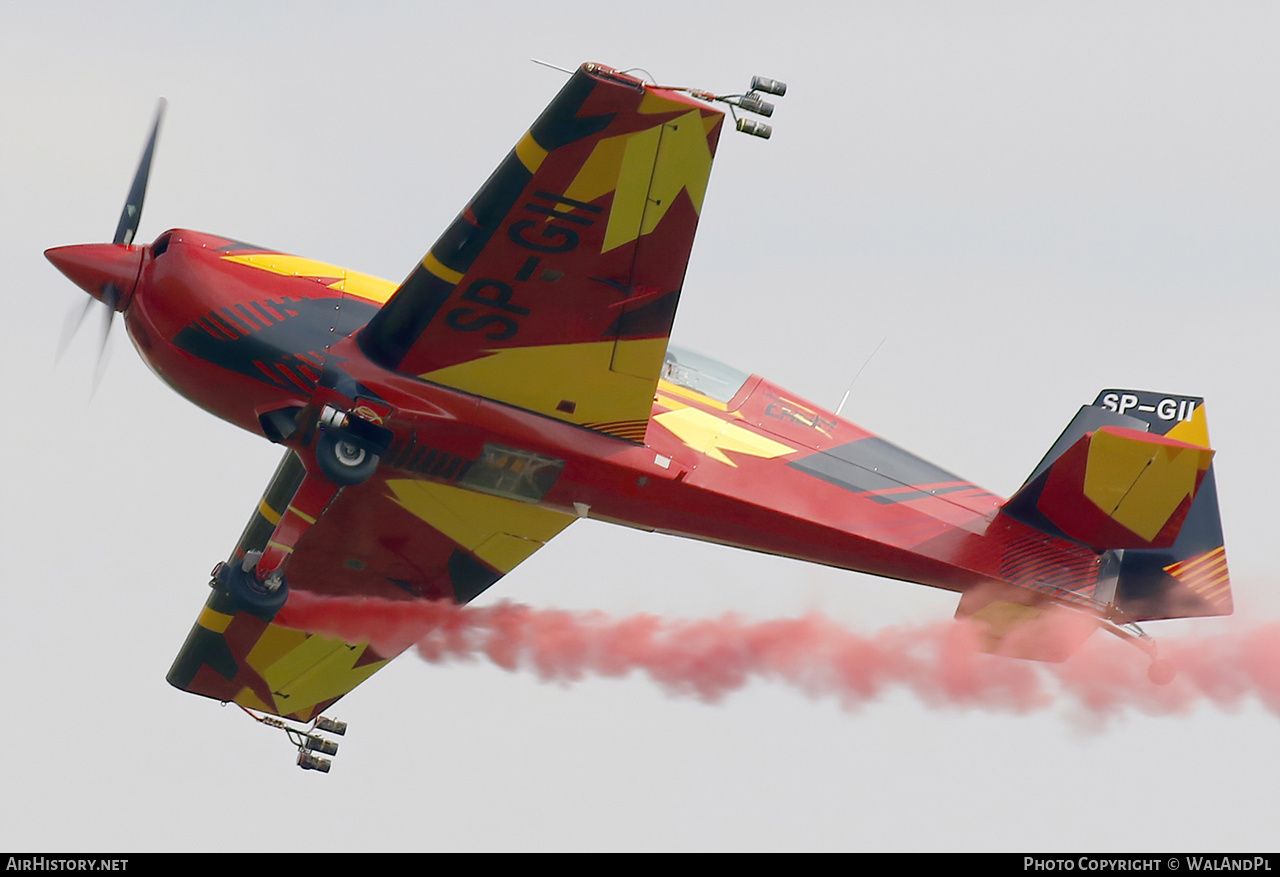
702 374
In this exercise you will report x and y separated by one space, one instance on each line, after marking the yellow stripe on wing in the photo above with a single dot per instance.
215 621
439 269
531 155
272 516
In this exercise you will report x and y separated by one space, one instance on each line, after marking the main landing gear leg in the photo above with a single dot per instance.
342 458
257 583
309 502
345 453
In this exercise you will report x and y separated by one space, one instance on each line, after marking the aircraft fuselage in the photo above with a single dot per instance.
244 332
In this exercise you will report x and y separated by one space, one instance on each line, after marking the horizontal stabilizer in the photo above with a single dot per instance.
1017 623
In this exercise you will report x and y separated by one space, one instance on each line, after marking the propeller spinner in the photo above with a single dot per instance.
108 272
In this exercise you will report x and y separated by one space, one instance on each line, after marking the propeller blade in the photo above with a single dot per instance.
110 297
100 368
132 213
75 318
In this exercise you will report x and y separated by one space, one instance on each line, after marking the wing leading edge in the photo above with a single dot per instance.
556 288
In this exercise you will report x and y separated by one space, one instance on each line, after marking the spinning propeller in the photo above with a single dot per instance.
108 272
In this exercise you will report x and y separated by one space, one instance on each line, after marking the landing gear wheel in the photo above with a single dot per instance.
1161 672
344 459
248 593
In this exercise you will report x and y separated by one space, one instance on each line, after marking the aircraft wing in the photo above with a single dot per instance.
399 539
555 289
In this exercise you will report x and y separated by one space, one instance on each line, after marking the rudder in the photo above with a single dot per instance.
1132 477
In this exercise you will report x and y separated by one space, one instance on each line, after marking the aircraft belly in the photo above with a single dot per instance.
704 473
791 529
928 542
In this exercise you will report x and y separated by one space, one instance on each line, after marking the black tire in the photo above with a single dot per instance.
344 459
248 594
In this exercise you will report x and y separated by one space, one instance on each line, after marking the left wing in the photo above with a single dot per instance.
389 537
555 289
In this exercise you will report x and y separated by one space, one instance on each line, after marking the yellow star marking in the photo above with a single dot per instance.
501 532
1194 431
999 618
274 643
712 436
539 378
247 699
684 162
303 670
652 102
632 188
1140 484
599 173
646 170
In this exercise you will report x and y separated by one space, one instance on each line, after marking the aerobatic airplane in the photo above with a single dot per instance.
440 431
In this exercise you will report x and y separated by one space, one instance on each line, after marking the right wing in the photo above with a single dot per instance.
555 289
390 537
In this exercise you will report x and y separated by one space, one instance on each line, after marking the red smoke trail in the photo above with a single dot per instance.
941 663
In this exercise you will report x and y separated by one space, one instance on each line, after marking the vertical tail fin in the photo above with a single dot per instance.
1132 477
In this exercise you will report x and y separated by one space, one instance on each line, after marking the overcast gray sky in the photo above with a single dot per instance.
1028 202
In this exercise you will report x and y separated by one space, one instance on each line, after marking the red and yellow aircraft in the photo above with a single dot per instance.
441 431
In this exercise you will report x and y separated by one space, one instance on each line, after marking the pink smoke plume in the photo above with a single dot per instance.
941 664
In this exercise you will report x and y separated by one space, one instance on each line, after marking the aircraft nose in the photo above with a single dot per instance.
97 267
